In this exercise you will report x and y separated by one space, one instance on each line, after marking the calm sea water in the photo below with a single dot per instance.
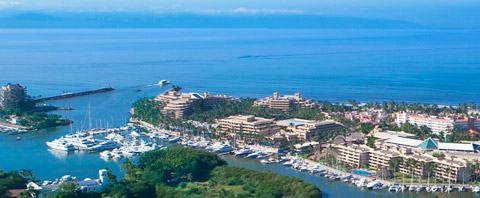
432 66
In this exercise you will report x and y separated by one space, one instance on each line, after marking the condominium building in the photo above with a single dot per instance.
355 156
178 105
284 102
436 124
248 124
361 156
13 96
307 129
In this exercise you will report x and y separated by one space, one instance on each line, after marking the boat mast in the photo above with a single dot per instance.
89 117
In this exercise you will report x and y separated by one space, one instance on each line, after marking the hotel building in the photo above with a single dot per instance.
307 129
13 96
284 102
361 156
436 124
178 105
248 124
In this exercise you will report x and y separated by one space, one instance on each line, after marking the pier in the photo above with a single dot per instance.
72 95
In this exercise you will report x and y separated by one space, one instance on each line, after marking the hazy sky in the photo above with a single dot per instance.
419 11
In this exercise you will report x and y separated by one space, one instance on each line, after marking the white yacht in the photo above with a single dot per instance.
223 149
255 155
244 151
106 154
106 145
290 163
163 82
61 144
81 141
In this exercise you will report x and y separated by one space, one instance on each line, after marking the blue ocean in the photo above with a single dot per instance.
426 66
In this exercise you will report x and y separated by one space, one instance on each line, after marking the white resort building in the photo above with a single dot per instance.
436 124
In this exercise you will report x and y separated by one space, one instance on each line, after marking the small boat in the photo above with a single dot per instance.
476 189
412 188
461 189
373 184
449 189
419 188
393 188
163 82
139 90
18 138
434 189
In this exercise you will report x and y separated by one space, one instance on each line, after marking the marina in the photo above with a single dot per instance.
144 142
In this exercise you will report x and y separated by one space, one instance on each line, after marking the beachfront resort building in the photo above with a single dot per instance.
284 102
178 105
307 129
13 96
407 162
436 124
247 124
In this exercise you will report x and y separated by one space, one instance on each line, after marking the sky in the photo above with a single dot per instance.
442 13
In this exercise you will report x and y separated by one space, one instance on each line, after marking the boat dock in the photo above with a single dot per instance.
72 95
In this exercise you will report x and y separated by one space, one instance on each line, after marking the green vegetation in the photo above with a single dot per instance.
186 172
14 180
179 172
41 120
245 106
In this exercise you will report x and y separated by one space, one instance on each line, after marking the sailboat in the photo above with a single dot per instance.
419 187
411 188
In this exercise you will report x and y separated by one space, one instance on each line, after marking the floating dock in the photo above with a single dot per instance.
72 95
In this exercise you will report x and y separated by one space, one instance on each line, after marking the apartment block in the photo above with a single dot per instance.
178 105
284 102
248 124
436 124
307 129
13 96
409 163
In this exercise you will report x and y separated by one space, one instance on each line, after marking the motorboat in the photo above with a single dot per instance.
223 149
106 145
244 151
174 139
106 154
449 189
476 189
61 144
373 184
290 163
394 188
163 82
434 189
419 188
412 188
254 155
461 189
